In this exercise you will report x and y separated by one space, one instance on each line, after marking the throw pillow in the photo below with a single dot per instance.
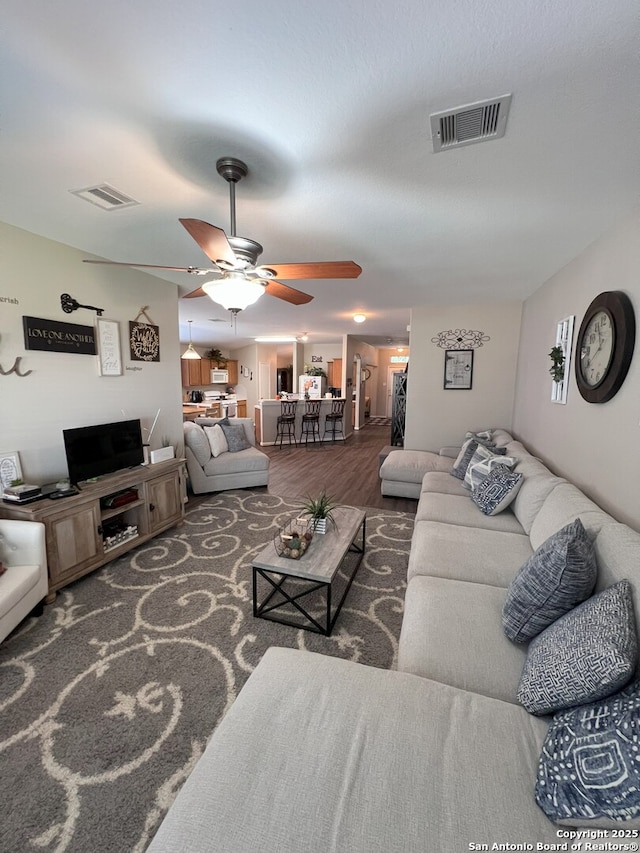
589 653
557 577
464 457
481 463
236 437
217 439
588 772
197 442
497 490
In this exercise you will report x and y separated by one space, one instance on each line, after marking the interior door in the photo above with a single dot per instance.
391 371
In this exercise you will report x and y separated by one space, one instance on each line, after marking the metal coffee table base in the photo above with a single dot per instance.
301 588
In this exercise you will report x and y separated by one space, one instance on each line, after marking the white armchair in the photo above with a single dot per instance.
24 585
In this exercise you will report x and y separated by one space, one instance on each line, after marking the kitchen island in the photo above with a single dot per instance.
266 416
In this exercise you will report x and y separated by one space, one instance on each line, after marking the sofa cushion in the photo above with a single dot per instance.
451 633
538 484
442 483
585 655
410 466
463 458
455 509
246 461
322 754
217 439
560 574
564 504
588 769
197 442
235 436
466 554
497 490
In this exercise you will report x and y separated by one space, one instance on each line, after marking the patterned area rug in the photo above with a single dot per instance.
378 421
108 700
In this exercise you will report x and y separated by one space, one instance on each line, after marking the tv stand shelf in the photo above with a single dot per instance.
76 526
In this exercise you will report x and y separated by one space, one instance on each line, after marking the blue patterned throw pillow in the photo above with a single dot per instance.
589 770
497 490
589 653
464 457
557 577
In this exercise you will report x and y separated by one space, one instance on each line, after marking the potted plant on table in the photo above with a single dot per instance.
320 510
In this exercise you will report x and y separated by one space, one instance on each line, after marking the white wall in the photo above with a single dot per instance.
436 417
65 390
593 445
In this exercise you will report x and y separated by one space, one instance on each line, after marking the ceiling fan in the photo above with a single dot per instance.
238 280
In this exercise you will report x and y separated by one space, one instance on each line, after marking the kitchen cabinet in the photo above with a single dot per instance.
242 408
106 518
232 367
197 372
334 373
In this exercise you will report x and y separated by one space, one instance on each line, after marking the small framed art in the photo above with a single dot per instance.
10 469
109 358
458 369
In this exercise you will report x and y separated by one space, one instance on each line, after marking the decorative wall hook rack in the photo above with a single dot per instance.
70 304
15 369
460 339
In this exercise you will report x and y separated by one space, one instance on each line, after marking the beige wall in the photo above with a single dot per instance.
595 446
65 390
436 417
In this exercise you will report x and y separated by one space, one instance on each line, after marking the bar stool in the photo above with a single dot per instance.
310 421
286 422
333 422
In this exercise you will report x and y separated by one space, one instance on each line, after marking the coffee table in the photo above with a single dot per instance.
302 592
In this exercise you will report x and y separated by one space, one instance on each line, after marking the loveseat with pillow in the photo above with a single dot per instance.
477 739
221 454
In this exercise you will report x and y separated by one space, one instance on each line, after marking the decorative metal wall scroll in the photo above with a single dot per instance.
70 304
15 369
460 339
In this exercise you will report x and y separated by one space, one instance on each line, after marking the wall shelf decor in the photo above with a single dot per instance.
10 469
460 339
560 366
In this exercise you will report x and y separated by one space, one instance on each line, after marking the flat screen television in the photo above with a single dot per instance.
102 449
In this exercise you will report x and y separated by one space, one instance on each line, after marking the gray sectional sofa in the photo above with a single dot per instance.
243 469
321 754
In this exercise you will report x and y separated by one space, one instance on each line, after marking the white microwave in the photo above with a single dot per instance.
221 376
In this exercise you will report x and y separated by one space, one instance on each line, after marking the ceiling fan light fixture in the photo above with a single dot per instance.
190 352
235 293
359 318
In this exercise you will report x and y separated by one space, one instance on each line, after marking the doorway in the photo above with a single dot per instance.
391 372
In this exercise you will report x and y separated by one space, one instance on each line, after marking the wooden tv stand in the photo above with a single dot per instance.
83 532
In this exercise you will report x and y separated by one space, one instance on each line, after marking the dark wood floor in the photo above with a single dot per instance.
347 470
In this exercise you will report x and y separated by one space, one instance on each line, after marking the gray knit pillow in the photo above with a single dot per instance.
557 577
464 457
236 437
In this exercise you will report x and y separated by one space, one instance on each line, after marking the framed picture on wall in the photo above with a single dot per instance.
109 358
458 369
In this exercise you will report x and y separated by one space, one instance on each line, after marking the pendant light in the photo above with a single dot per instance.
190 351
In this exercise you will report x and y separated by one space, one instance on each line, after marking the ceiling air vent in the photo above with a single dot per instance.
106 197
470 123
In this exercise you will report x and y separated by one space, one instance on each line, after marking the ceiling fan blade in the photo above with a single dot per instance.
320 269
211 239
289 294
192 270
194 294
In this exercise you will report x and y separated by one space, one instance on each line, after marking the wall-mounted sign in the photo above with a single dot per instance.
53 336
144 342
109 361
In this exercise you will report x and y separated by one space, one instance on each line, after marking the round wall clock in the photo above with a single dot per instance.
605 346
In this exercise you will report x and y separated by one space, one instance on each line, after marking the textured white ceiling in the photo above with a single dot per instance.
328 103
